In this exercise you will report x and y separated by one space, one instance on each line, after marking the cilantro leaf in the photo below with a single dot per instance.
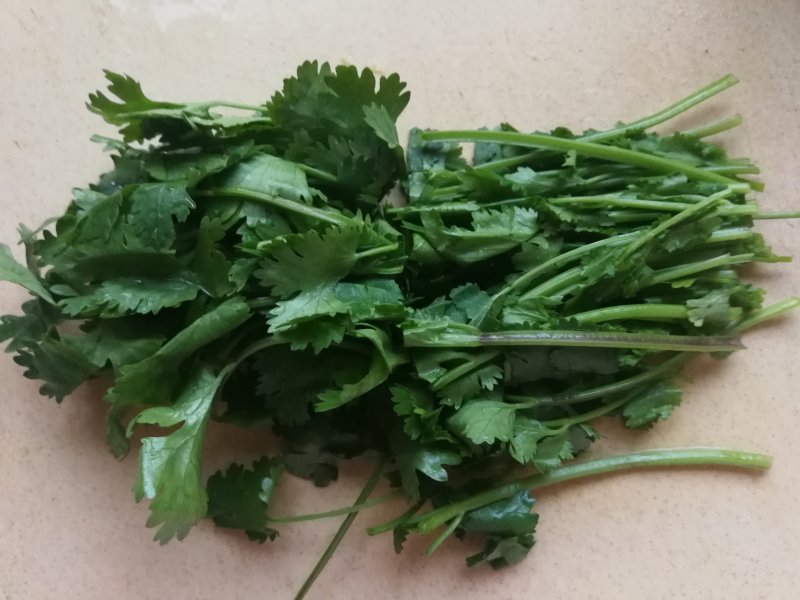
125 295
169 467
384 360
652 404
153 380
484 421
238 498
152 208
11 270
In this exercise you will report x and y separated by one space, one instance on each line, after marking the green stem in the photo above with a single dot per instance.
674 220
563 259
601 201
586 339
715 127
461 370
671 111
318 173
373 480
609 153
767 313
396 522
567 422
780 214
680 271
639 312
276 202
377 251
338 512
636 460
451 527
237 105
656 118
667 367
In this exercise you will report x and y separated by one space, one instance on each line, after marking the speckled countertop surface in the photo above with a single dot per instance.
68 523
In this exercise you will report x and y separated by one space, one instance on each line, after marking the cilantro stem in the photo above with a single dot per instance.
780 214
237 105
451 527
586 339
665 368
671 111
593 150
377 251
567 422
373 480
715 127
766 313
562 259
296 207
639 312
461 370
318 173
338 512
397 521
646 459
661 205
680 271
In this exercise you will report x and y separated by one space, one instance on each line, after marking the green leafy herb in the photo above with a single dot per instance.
243 263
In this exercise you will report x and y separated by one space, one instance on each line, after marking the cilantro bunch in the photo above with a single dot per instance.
241 263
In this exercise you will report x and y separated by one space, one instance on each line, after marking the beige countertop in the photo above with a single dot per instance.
68 523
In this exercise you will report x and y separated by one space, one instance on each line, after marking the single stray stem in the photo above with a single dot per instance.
445 534
373 480
338 512
637 460
715 127
389 525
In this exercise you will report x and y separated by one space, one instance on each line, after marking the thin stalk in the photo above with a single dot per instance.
600 151
638 312
585 339
563 280
373 480
714 127
377 251
274 201
734 169
648 459
451 527
666 368
566 422
671 111
563 259
676 219
338 512
652 120
399 520
237 105
728 210
780 214
767 313
464 369
680 271
318 173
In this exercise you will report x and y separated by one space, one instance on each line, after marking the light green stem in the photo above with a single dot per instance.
593 150
637 460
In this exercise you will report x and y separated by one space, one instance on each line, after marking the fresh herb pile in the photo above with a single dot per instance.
242 264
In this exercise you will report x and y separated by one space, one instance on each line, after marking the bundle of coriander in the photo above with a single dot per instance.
247 269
